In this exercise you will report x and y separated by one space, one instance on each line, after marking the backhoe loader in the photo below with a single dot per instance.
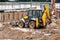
35 18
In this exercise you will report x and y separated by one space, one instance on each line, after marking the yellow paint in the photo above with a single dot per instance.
44 18
37 22
47 11
46 15
25 17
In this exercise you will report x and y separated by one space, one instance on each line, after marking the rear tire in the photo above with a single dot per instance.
21 24
32 24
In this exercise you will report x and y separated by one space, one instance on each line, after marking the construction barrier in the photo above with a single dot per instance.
8 16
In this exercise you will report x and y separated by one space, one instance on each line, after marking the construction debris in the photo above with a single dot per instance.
50 33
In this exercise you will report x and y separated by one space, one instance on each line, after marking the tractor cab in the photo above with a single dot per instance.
35 14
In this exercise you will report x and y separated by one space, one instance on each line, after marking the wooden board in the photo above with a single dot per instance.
16 15
7 16
0 17
20 14
11 15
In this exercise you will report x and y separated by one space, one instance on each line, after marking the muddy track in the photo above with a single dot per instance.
51 32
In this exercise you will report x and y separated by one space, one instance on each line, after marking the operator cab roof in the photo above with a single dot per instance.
34 9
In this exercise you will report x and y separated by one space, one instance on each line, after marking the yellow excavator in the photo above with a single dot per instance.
35 18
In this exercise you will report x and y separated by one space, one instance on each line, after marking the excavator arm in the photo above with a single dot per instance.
48 14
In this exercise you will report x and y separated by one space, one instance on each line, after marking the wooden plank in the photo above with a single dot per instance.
16 15
11 15
20 14
0 17
6 17
58 14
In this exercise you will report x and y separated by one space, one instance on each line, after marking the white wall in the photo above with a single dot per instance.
22 5
2 7
58 5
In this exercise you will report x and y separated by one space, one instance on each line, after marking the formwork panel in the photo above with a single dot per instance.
6 17
20 14
11 15
16 15
0 17
58 14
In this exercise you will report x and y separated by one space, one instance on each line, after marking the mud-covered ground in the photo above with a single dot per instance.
51 32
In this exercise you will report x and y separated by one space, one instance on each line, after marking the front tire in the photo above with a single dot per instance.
21 24
32 24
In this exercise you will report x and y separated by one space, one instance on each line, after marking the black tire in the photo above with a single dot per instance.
32 24
21 24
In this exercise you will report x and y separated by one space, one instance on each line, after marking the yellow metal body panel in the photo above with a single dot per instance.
25 17
44 18
47 11
37 22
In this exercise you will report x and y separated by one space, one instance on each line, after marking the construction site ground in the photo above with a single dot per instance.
51 32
